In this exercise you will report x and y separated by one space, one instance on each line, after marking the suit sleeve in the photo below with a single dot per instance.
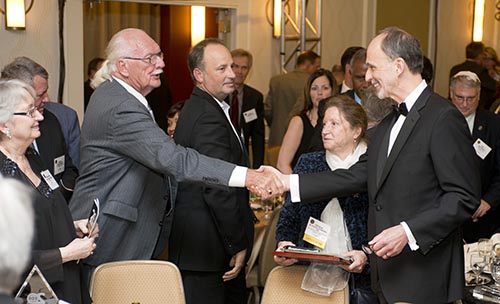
492 193
211 136
456 169
135 135
258 134
338 183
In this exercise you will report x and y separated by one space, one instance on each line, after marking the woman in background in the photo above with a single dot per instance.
321 84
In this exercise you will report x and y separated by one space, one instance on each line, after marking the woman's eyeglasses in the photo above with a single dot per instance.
29 113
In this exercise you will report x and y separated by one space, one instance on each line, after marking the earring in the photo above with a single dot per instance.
7 133
355 140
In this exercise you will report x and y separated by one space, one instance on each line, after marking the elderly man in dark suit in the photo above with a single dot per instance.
422 180
131 165
212 231
484 126
247 107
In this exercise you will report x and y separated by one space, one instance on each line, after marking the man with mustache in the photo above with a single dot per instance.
131 165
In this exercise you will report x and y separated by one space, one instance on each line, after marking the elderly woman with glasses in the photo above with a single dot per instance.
343 135
59 242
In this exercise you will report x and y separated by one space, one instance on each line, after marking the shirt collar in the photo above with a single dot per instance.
413 96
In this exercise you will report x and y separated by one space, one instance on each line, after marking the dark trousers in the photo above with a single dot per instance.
209 288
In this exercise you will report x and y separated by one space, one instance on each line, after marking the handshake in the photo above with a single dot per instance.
267 182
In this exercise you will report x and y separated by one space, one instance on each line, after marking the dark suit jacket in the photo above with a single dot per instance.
488 84
431 181
131 165
487 128
254 130
209 225
51 146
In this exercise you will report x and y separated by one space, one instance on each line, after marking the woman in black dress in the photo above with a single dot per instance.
59 242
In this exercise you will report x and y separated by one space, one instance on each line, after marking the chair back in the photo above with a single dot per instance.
266 259
137 282
283 287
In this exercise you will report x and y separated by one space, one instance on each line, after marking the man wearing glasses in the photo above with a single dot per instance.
465 89
131 165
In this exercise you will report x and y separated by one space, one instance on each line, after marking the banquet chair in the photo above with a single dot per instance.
283 286
137 282
258 271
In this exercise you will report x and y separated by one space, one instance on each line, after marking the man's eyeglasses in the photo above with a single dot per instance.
151 59
30 112
468 99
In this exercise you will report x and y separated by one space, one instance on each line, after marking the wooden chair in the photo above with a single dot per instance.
137 282
258 271
283 287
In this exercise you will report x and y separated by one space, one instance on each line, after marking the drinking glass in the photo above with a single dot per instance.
495 270
477 264
485 247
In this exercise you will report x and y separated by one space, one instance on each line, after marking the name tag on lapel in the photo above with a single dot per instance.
250 115
59 165
482 149
49 179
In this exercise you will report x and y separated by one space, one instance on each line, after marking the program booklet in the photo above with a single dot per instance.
311 254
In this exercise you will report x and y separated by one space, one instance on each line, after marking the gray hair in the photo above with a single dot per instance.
376 109
24 69
16 231
466 78
11 92
397 43
243 53
124 43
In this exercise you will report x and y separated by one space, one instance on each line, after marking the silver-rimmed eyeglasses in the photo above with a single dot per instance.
30 112
151 59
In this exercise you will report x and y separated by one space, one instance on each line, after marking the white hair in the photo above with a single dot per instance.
122 44
11 92
16 231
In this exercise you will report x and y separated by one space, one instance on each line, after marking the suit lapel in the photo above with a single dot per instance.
479 128
407 128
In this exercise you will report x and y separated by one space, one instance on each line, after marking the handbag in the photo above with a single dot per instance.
361 295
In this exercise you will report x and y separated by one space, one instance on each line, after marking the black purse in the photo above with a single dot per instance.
361 295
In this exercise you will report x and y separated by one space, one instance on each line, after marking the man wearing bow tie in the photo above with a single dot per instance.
465 89
422 180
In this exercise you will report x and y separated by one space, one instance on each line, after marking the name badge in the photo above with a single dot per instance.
482 149
49 179
250 115
316 232
59 165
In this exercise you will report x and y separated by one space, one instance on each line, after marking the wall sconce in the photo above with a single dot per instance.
477 29
276 18
15 14
197 24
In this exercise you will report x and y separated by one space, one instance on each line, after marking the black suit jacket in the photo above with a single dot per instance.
487 128
209 225
254 129
51 146
488 84
431 181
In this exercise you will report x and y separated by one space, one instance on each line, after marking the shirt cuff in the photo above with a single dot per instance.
412 242
294 188
238 177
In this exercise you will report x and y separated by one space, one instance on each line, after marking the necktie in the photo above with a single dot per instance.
235 113
401 109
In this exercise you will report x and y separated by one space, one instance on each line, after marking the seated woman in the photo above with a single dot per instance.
321 84
343 137
58 242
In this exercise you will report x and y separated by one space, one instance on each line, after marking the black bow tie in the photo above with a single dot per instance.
401 109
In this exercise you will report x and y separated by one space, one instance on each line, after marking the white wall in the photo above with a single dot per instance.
345 23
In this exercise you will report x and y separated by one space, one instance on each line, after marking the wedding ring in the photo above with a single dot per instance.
269 191
91 253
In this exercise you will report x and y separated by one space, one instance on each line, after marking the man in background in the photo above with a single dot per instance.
345 63
465 87
212 231
247 107
283 93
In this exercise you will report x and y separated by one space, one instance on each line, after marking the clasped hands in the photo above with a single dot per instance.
267 182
